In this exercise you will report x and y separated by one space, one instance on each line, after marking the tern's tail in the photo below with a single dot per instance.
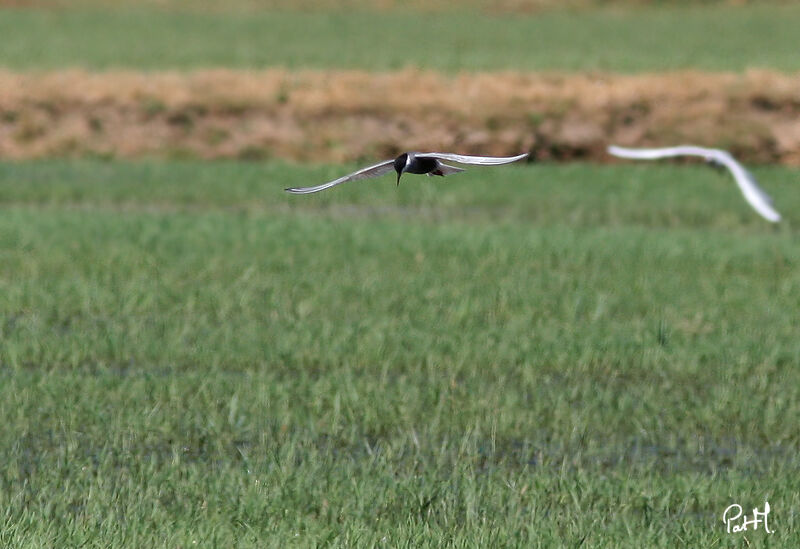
444 169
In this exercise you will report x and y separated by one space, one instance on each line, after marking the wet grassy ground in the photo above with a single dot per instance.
516 356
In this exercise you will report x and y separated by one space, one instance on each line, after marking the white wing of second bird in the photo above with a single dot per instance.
755 196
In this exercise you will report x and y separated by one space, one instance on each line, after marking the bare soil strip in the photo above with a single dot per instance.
354 115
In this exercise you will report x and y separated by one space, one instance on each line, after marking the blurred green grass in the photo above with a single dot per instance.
629 40
532 354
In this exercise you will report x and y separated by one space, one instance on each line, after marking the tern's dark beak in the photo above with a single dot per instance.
398 178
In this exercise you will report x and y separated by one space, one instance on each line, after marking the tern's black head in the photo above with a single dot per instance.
400 165
714 163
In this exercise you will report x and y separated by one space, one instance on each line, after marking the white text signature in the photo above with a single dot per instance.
732 515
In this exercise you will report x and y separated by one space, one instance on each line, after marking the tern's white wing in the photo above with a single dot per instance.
372 171
665 152
755 196
477 160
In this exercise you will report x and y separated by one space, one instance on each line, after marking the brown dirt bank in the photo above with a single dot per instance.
349 115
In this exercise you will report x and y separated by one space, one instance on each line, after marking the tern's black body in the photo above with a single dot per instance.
411 163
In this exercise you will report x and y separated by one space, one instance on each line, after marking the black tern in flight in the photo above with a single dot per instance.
414 162
757 198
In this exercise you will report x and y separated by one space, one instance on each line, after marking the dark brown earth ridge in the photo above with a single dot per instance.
335 116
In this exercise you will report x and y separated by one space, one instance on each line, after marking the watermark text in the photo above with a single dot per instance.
735 521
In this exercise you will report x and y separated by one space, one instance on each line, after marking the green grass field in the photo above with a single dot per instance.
664 38
524 356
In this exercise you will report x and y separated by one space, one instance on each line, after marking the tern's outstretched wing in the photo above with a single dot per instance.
664 152
372 171
476 160
755 196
